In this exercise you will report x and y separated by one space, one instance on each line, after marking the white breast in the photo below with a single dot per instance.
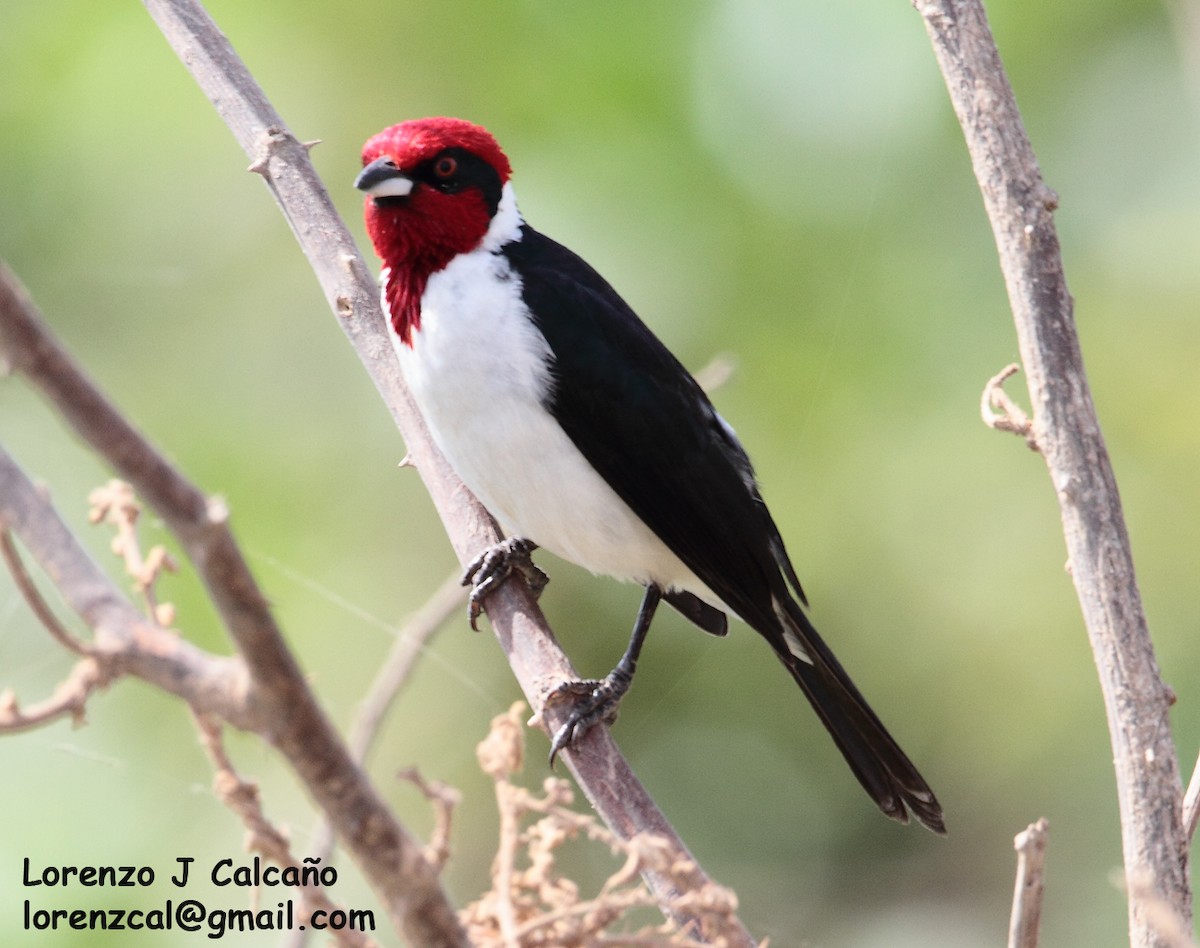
478 369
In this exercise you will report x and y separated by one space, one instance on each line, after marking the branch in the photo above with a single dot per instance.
124 641
537 660
29 592
398 665
69 700
1067 434
264 690
1026 918
1168 925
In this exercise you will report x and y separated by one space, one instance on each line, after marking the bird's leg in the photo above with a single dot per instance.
494 565
598 700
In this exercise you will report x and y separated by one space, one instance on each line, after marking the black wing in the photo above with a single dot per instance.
649 430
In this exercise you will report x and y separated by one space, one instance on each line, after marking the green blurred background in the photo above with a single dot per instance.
778 180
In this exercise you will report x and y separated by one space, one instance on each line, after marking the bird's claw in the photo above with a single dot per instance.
493 566
594 702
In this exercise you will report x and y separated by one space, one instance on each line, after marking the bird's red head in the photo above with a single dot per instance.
432 186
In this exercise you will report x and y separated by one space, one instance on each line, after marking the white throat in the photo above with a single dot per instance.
506 222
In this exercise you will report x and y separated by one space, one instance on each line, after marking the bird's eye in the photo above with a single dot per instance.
445 167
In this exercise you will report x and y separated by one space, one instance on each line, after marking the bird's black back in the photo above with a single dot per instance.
646 426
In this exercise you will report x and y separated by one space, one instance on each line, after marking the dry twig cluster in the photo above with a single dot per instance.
532 904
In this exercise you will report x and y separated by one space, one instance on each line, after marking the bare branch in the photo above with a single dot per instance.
283 708
406 649
1026 918
69 700
409 643
443 798
716 372
200 524
283 162
1020 207
124 641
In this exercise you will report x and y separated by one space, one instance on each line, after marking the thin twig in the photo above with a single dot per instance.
1191 803
409 643
530 901
1020 208
1026 919
999 411
115 503
69 700
407 646
444 799
200 523
33 598
262 836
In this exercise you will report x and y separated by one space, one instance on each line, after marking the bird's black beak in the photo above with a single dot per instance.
382 179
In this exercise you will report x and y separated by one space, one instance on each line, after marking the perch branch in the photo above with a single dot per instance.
351 292
1020 208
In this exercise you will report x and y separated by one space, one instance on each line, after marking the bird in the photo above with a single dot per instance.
580 433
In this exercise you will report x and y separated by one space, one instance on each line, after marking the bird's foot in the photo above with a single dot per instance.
594 702
494 565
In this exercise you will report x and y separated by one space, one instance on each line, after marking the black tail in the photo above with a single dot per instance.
876 759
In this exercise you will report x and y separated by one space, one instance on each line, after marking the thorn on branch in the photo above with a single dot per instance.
1001 412
273 140
217 511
